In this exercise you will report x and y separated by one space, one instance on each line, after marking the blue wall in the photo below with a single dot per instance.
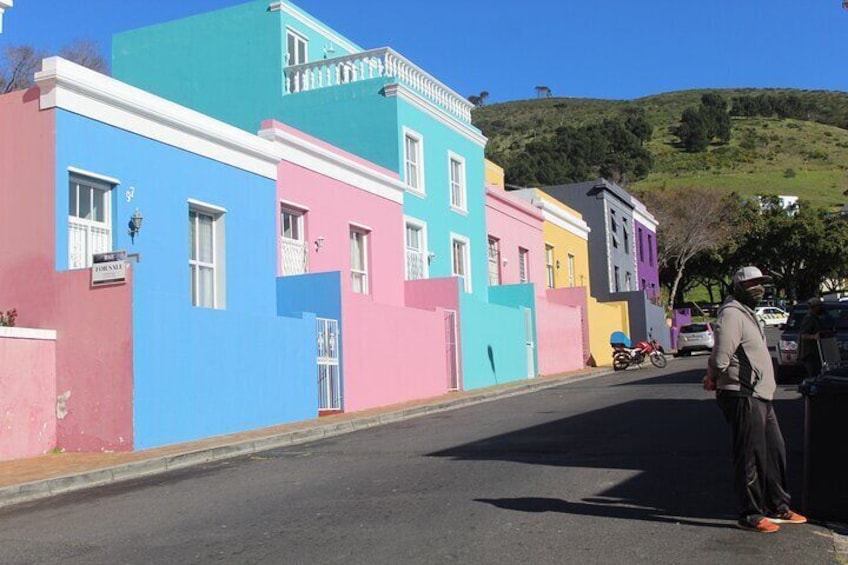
198 372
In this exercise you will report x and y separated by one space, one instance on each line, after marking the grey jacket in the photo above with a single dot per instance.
740 360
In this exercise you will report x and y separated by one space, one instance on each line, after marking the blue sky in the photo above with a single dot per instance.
614 49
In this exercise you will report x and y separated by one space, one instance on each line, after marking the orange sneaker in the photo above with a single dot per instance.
787 517
764 526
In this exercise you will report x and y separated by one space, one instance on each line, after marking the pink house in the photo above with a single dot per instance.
342 214
517 256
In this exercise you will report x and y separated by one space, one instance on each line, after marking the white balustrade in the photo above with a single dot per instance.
414 265
374 64
295 257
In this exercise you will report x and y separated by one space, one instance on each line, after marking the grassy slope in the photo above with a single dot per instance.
765 156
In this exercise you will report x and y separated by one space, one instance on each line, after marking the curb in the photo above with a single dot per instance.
37 490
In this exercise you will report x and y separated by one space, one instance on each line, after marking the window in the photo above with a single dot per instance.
641 246
457 182
549 265
628 282
616 281
416 261
359 260
626 235
494 262
571 270
293 248
414 161
296 53
650 250
523 267
644 285
206 256
460 261
89 219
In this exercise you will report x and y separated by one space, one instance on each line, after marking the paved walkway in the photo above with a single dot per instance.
31 479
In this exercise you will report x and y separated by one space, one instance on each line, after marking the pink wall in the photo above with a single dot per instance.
94 326
516 224
392 352
28 398
575 297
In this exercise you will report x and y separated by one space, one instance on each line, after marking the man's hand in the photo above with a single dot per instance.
709 382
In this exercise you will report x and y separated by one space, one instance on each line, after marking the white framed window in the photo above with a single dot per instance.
206 255
494 261
296 48
359 260
626 234
617 281
294 251
523 265
549 266
571 271
413 158
461 260
641 245
89 218
415 238
456 173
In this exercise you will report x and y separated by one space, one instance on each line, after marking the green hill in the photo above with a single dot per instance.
805 158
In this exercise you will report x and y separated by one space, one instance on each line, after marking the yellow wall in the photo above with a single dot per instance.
494 174
603 318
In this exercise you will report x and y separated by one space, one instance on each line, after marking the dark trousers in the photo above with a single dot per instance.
759 456
813 366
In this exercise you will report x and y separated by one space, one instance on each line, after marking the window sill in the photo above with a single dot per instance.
460 211
416 192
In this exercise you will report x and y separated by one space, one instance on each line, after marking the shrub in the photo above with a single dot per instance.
8 318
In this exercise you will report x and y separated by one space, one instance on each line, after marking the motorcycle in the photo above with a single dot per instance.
623 356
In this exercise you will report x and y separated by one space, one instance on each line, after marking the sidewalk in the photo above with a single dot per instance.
35 478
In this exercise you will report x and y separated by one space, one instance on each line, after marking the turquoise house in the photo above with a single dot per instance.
256 61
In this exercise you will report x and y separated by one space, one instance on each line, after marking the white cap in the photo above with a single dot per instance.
750 273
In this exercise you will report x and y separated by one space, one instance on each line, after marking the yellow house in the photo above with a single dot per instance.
566 254
493 173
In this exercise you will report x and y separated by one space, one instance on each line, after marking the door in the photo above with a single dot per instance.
329 379
529 343
451 350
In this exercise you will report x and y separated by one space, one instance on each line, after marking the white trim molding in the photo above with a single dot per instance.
4 5
27 333
68 86
402 92
557 215
97 176
303 152
307 20
641 215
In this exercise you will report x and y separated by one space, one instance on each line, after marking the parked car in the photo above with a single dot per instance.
771 316
695 337
834 319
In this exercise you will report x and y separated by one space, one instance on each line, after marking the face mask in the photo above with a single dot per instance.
750 297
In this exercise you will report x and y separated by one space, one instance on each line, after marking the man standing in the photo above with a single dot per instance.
740 371
809 334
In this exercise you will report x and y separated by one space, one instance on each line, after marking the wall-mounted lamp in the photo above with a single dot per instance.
319 242
557 264
504 261
430 257
134 225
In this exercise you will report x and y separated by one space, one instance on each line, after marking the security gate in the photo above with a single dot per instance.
451 350
329 381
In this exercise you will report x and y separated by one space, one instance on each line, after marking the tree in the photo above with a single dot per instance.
543 91
691 220
699 126
479 100
18 64
692 131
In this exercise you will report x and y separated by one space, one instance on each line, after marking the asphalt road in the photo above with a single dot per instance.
626 468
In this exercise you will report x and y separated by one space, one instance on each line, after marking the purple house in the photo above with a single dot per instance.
645 234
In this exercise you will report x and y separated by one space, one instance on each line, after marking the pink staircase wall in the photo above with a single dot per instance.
94 326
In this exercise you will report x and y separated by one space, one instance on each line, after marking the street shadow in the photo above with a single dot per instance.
679 448
693 376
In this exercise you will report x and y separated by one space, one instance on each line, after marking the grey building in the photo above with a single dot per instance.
608 209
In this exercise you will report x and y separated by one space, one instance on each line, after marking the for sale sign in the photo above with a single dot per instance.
109 268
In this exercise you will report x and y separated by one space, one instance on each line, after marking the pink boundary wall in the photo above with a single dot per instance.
560 319
28 398
94 326
391 352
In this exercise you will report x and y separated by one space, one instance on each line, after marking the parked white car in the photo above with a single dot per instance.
771 316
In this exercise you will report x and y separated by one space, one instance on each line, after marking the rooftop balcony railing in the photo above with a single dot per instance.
371 64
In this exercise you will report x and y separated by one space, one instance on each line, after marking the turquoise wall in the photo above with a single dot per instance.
227 63
355 117
198 372
519 296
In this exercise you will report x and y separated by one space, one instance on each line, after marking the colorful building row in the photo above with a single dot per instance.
309 235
